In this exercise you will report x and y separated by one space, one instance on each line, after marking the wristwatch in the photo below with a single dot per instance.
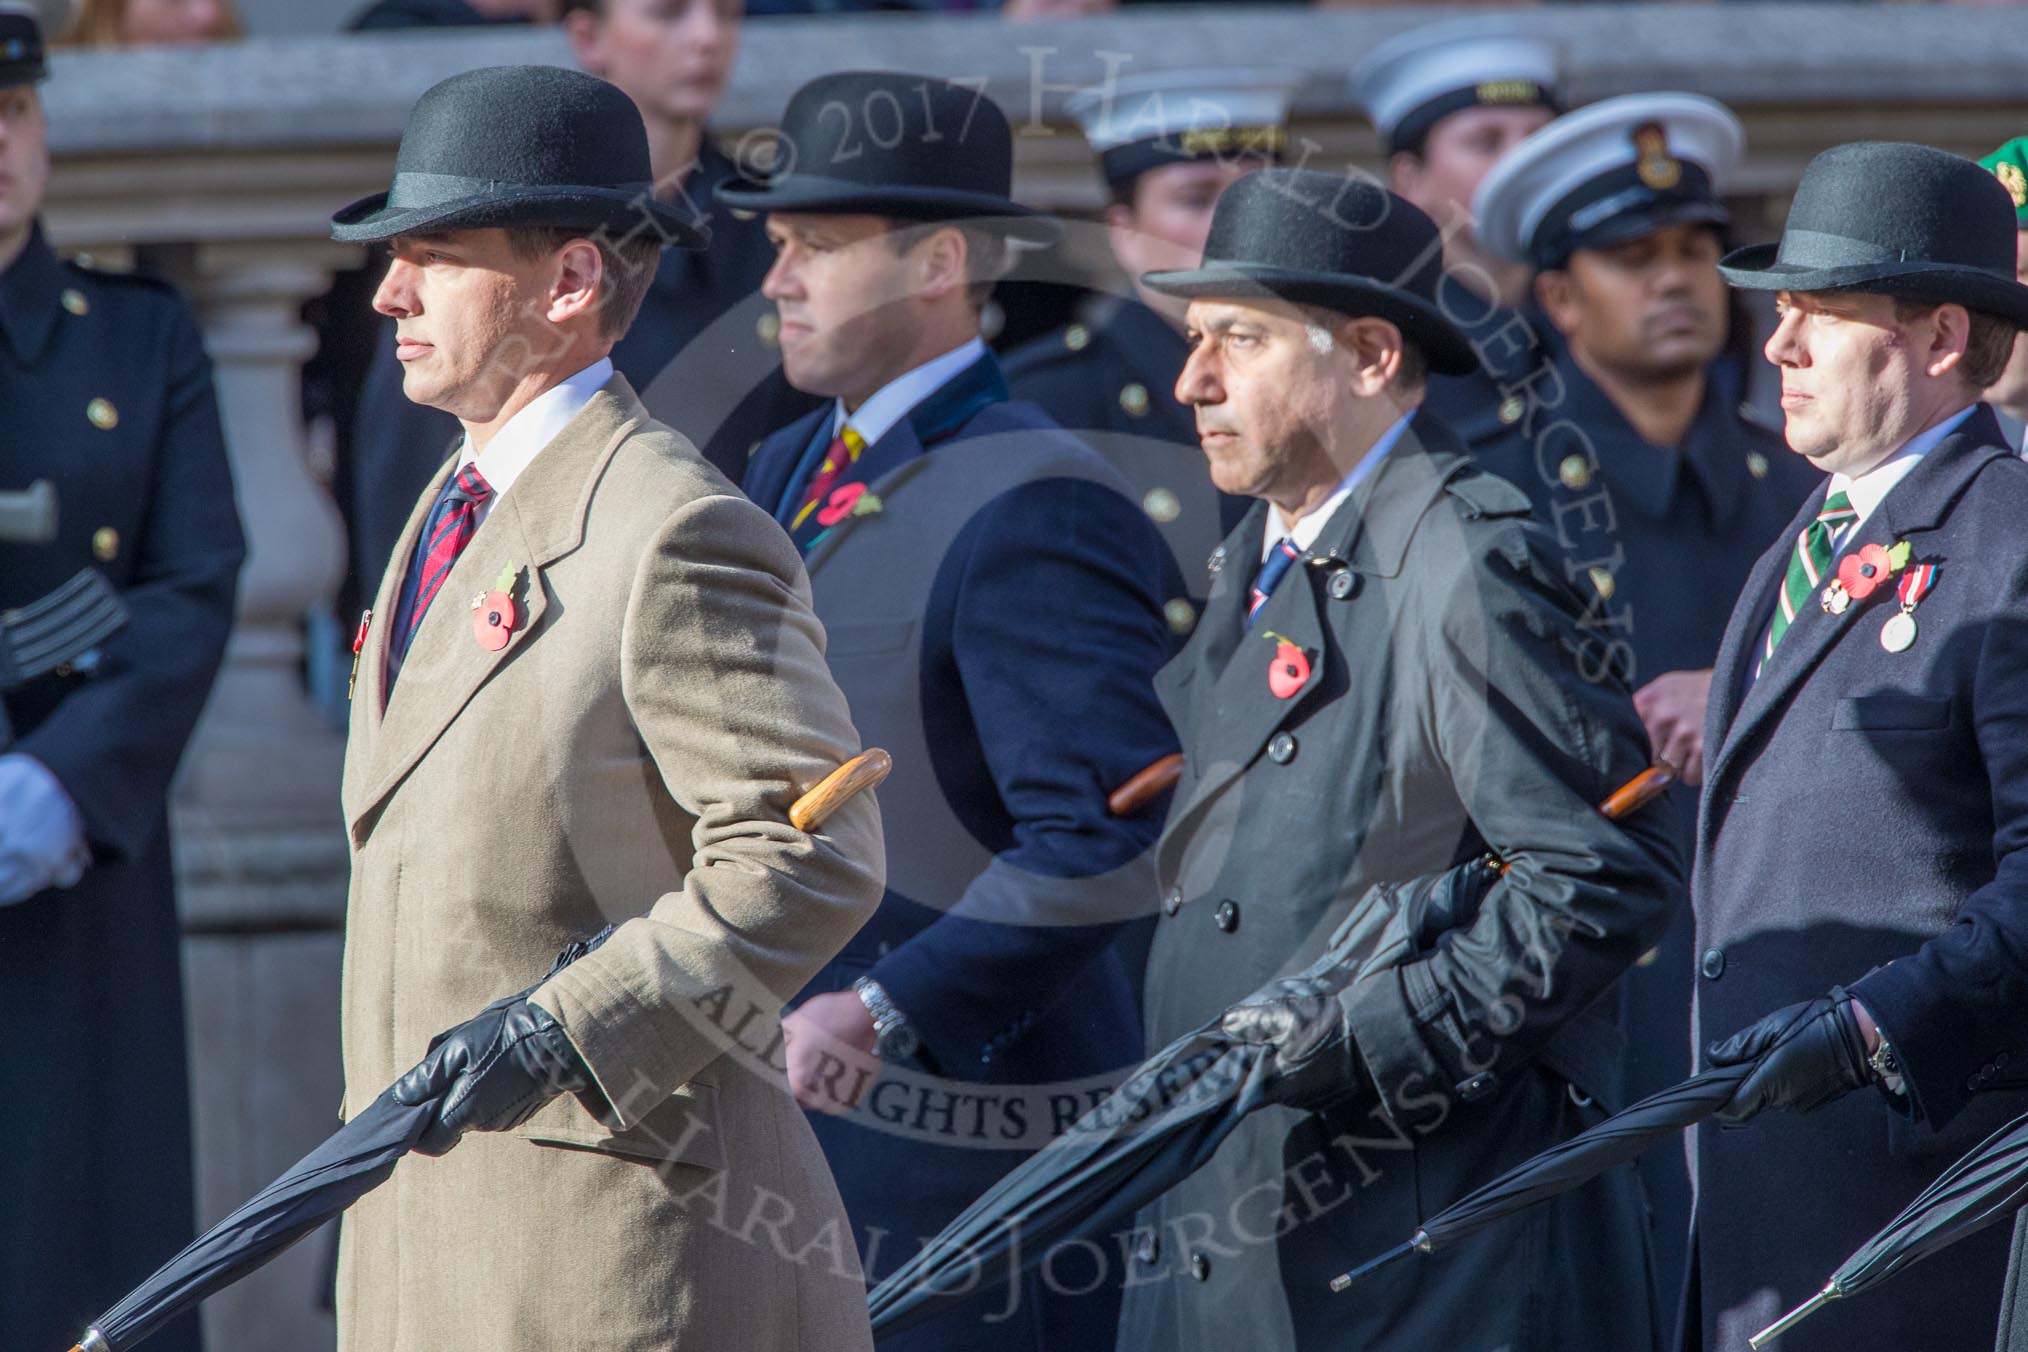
1887 1068
893 1039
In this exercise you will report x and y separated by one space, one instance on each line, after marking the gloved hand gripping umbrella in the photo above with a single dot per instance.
1284 1044
426 1111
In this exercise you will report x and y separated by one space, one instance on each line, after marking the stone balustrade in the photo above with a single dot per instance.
224 165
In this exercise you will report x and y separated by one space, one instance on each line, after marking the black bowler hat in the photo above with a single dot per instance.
21 57
1897 219
521 145
888 144
1324 239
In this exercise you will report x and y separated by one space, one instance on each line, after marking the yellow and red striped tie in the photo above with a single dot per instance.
1811 561
843 452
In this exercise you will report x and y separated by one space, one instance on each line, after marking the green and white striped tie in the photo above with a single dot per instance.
1807 567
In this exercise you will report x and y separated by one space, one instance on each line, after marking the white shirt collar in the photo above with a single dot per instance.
1306 530
1866 491
515 446
893 401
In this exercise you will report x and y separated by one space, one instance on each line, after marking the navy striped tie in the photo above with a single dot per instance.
1272 570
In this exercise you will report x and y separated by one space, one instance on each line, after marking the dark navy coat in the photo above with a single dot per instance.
106 391
991 616
1864 822
1658 540
1442 714
1111 379
701 353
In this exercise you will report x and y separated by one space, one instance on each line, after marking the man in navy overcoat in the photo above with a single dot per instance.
991 599
1862 854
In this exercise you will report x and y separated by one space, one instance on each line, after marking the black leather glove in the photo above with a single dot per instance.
492 1072
1314 1064
1809 1054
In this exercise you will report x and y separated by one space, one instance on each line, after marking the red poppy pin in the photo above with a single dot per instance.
494 614
1289 669
1862 572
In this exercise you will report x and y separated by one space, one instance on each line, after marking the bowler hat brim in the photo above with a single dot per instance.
801 192
1756 268
621 212
1447 349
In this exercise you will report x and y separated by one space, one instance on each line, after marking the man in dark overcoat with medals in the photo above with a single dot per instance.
1862 847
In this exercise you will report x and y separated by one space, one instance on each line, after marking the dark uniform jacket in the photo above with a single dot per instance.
701 353
1442 715
105 390
1658 540
1111 379
1864 821
1515 346
992 621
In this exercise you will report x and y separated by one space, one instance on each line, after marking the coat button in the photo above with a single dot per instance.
1226 917
1282 749
1575 471
1134 399
1479 1087
768 328
102 415
75 302
105 544
1077 337
1343 584
1200 1267
1714 964
1756 464
1149 1250
1172 901
1181 615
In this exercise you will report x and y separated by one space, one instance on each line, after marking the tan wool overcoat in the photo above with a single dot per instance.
629 755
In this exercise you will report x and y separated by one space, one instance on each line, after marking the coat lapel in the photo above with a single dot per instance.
369 686
767 477
539 520
1918 504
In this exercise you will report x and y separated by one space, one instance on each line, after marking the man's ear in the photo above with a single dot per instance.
1556 293
940 262
1948 330
1374 346
581 26
579 278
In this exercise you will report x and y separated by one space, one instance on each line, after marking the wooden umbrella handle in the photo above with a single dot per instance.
1643 789
1630 797
1146 786
855 776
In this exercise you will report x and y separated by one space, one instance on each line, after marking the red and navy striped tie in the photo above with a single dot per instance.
450 528
1272 570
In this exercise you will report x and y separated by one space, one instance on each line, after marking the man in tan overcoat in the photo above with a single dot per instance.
588 691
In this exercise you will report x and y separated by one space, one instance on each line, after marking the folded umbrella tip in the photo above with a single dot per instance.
1794 1317
1344 1279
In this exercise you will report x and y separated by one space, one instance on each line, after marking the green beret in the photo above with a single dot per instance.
2009 164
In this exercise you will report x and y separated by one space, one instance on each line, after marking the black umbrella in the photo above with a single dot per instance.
1990 1182
1174 1110
1156 1129
359 1157
1620 1138
355 1160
